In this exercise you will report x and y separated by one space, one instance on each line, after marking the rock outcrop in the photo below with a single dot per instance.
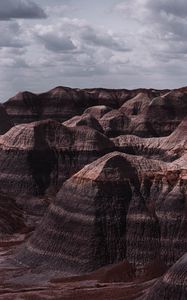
11 217
98 111
39 156
115 123
86 227
173 285
165 113
84 120
165 148
109 169
63 103
5 122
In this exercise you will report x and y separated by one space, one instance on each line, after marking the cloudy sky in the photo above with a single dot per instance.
82 43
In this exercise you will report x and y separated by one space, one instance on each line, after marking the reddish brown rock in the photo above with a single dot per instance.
5 122
173 285
165 148
165 113
11 217
84 120
98 111
114 123
62 103
39 156
86 226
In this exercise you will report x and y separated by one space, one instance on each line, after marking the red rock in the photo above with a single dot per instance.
42 155
5 122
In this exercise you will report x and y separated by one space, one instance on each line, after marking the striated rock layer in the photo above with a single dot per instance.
86 227
120 206
40 156
84 120
173 285
11 216
62 103
165 148
5 122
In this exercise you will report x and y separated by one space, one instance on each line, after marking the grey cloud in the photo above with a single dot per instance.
176 8
95 38
56 43
20 9
10 35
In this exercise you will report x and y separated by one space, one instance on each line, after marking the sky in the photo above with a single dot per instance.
100 43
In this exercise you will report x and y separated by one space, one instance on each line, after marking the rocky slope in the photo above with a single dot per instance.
85 119
5 122
165 148
173 284
40 156
11 217
110 168
62 103
101 200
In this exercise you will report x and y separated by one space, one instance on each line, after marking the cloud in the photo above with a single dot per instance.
11 35
20 9
102 39
58 42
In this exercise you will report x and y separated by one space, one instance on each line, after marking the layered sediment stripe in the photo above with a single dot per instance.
88 218
40 156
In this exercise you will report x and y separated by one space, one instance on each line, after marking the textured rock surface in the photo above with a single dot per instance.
5 122
115 123
165 148
165 113
62 103
84 120
39 156
98 111
100 194
122 217
173 285
11 217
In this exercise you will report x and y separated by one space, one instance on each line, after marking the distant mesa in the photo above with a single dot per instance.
63 103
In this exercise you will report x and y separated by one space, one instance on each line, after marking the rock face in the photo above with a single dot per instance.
166 148
62 103
11 216
110 170
5 122
165 113
173 284
84 120
90 231
98 111
42 155
115 123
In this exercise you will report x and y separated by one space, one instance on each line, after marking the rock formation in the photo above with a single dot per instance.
62 103
11 217
173 284
5 122
84 120
109 169
101 194
98 111
42 155
165 148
